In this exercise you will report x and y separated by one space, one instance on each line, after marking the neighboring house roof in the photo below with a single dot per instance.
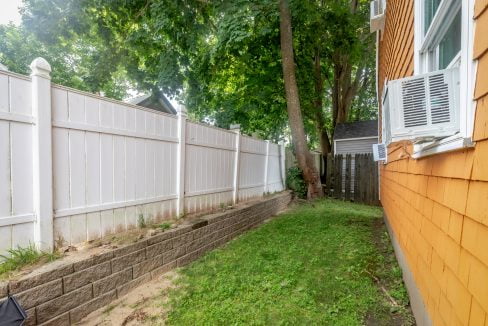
356 129
3 67
159 102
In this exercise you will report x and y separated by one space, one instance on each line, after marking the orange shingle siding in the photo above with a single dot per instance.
438 206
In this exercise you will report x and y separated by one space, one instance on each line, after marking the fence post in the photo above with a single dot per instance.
180 178
42 154
266 165
283 163
235 194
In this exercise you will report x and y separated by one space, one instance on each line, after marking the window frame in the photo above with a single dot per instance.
467 67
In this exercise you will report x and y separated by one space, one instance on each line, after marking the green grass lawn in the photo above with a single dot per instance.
325 263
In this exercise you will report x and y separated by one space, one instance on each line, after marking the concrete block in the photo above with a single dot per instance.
89 275
45 274
92 261
130 248
182 240
124 289
62 320
123 262
161 237
3 289
111 282
55 307
159 248
82 311
31 317
40 294
173 254
147 266
163 269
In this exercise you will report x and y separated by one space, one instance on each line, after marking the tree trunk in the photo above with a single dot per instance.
304 158
319 114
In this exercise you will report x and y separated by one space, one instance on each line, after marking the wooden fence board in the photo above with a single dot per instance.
365 179
347 178
330 174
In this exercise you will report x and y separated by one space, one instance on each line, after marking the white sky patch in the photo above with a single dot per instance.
9 11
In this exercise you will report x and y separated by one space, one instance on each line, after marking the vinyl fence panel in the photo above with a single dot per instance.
209 167
113 164
16 162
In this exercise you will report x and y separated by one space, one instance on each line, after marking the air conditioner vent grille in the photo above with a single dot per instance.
439 99
414 104
421 107
380 152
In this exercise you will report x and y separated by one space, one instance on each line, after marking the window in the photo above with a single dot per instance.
444 39
441 41
430 9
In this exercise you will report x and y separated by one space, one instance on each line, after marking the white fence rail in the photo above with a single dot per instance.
75 166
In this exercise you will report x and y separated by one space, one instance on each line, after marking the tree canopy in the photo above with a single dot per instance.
222 58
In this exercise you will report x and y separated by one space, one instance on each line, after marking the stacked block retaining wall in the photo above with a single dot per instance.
63 293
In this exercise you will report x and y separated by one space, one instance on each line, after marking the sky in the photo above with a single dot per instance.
9 11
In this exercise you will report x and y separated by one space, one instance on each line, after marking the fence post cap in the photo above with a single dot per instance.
41 68
181 110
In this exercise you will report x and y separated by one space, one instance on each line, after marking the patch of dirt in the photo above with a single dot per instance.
144 305
394 313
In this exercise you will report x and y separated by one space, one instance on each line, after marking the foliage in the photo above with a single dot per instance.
311 266
164 226
21 257
141 221
295 182
221 57
76 64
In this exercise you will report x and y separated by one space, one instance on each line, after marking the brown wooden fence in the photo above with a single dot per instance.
353 178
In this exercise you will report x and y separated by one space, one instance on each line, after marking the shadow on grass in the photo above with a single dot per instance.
325 262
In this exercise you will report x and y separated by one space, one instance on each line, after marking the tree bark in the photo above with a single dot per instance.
318 109
304 158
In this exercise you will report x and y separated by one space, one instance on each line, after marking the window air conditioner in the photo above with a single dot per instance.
380 152
377 15
422 108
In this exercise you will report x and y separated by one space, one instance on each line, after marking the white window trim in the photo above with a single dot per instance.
467 72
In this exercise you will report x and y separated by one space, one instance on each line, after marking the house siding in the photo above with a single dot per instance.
437 206
355 146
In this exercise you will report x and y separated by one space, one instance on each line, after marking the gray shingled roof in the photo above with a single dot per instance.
356 129
159 103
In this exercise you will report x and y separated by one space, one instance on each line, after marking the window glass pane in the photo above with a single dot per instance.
430 8
450 44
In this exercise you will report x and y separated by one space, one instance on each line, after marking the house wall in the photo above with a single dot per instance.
355 146
437 206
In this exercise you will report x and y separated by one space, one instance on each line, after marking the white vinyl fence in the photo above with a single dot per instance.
75 166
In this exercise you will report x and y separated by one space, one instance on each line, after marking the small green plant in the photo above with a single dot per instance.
109 309
222 206
141 222
164 226
295 182
20 257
